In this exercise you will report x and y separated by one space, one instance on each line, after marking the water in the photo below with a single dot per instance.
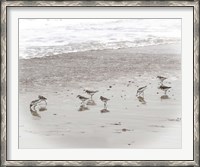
47 37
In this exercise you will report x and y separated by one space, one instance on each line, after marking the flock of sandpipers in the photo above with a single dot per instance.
40 104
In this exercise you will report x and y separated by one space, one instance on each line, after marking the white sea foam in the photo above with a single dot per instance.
46 37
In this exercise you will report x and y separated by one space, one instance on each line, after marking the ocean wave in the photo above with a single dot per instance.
43 51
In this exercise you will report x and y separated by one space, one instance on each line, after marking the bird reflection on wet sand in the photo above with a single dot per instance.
164 97
91 102
141 100
83 108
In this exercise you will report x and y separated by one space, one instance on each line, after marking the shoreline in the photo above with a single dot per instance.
117 49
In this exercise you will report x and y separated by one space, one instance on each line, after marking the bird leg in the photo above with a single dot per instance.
83 104
91 97
105 105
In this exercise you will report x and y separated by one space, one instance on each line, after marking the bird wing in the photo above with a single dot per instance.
142 88
82 97
35 101
164 87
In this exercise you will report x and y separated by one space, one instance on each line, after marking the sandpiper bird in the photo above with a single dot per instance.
141 91
90 92
104 99
164 88
161 79
35 103
82 98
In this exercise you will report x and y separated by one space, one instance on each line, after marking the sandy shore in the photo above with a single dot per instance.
116 74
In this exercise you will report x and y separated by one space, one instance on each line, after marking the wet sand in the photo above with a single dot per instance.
116 74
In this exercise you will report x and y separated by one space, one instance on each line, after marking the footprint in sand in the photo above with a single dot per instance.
177 119
131 143
102 126
122 130
157 126
119 123
125 130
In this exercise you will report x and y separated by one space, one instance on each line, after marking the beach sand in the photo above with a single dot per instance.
116 74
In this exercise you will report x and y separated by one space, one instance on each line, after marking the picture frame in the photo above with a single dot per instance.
5 5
